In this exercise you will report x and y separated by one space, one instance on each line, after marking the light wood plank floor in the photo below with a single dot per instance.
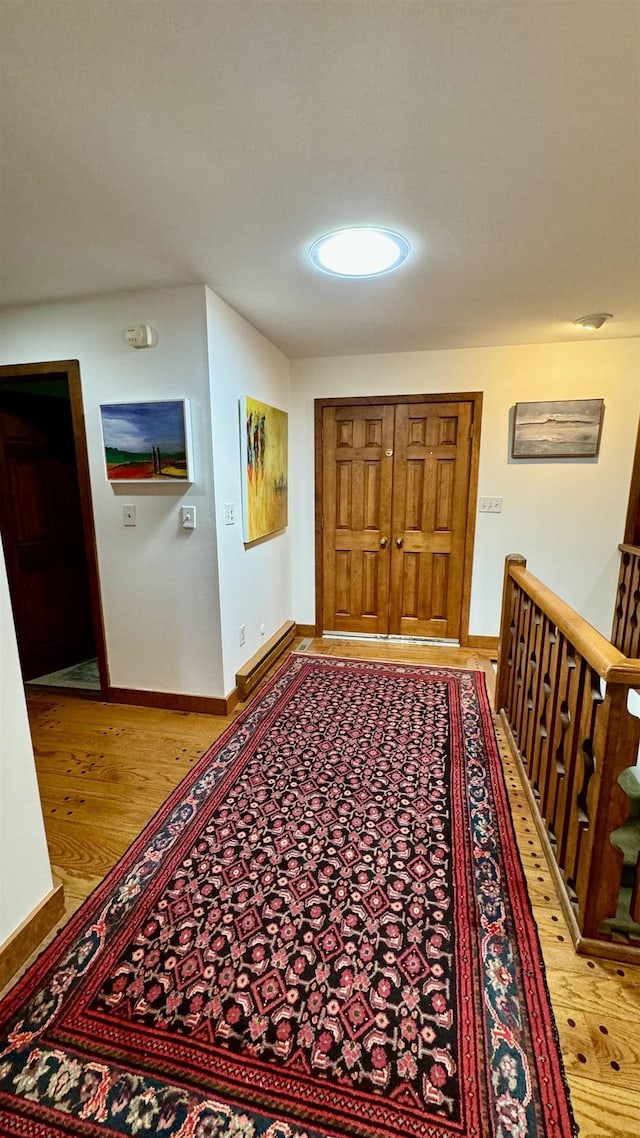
105 769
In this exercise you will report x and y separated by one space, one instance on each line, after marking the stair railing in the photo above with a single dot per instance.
562 694
625 634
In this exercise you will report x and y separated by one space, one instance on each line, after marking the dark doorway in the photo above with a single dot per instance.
632 528
46 519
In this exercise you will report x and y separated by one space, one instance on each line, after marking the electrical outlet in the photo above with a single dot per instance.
229 514
129 516
243 634
490 506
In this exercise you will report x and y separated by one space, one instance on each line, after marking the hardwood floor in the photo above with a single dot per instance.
104 769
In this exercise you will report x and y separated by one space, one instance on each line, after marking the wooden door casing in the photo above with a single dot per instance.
430 471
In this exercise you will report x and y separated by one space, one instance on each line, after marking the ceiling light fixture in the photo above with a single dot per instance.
594 322
363 251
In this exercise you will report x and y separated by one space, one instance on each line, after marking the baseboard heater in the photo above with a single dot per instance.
430 641
249 676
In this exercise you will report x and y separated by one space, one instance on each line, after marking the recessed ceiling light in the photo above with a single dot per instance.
594 322
360 252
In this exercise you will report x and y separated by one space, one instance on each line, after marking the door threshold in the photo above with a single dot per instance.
432 641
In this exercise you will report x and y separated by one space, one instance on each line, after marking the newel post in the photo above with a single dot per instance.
502 682
616 746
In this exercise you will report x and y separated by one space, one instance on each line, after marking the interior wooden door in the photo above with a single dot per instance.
396 527
356 516
41 525
432 449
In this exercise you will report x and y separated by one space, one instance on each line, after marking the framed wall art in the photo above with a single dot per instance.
147 442
562 428
264 448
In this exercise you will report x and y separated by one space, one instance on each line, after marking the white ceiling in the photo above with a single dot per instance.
149 143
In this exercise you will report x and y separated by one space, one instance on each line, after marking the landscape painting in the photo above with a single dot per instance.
264 477
568 428
145 442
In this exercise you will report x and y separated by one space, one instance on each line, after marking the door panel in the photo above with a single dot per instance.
356 517
42 532
432 451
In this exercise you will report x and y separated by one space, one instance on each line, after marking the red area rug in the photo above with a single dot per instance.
324 931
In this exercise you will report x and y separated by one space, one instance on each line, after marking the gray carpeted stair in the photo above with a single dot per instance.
627 838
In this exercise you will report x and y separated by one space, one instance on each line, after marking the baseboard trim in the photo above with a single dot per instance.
249 676
28 935
489 643
306 630
608 950
232 699
174 701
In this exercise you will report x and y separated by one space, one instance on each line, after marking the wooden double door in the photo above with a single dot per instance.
398 503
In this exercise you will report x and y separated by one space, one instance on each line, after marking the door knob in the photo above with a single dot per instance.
399 542
383 542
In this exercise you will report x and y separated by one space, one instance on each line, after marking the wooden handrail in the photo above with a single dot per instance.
634 549
610 664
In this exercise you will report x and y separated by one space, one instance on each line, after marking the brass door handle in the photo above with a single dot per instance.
383 542
399 542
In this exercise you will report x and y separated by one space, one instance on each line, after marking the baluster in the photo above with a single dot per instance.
535 696
632 640
550 689
622 600
518 708
587 775
626 618
572 757
561 740
632 637
634 907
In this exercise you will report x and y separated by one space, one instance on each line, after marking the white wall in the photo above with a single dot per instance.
159 582
567 517
25 874
255 581
174 600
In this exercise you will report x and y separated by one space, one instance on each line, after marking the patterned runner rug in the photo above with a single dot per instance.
324 931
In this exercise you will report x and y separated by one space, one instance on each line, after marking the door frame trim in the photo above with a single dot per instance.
472 397
70 370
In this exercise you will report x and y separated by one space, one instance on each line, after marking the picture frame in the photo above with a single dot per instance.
557 428
264 458
147 442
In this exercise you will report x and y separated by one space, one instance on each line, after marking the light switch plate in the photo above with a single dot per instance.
490 506
129 516
188 517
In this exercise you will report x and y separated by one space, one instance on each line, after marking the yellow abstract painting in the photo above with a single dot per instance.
265 458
